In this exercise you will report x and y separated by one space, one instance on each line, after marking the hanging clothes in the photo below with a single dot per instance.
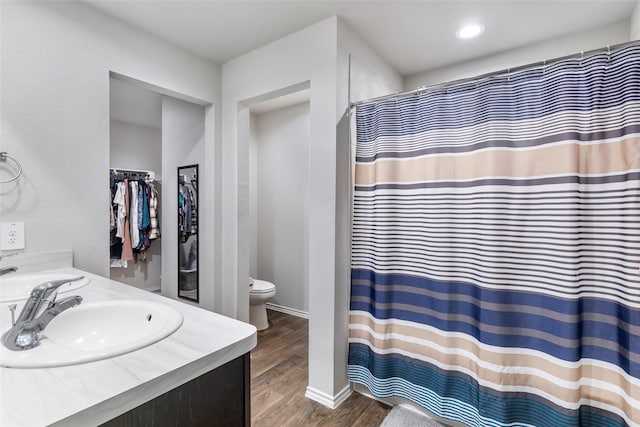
154 233
118 201
134 205
146 217
133 212
143 212
127 249
194 210
117 233
112 217
187 212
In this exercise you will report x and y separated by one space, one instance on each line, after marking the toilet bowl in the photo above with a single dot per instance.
259 293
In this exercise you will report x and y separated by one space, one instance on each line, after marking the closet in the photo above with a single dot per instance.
157 144
135 163
133 216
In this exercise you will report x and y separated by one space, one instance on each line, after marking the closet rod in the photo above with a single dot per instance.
581 55
150 174
116 170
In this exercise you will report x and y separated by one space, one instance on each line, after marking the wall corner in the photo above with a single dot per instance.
635 23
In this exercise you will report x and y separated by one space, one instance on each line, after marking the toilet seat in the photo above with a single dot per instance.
261 287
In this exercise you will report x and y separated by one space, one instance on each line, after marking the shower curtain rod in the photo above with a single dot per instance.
580 55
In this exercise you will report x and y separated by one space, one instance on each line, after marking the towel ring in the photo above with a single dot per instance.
3 158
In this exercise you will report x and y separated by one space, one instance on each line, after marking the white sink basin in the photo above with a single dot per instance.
18 287
94 331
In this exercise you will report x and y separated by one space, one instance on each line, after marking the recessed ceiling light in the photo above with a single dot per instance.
470 31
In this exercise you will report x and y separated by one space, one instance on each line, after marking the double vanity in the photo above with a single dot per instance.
123 356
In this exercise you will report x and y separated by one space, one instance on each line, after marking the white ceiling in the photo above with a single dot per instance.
413 36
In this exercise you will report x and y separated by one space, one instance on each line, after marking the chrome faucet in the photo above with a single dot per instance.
7 270
35 317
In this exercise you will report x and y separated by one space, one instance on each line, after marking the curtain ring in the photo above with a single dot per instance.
3 158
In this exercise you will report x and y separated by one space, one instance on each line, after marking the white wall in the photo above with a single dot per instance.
135 146
308 55
183 144
367 76
370 76
253 195
305 56
634 31
282 208
550 49
56 58
138 147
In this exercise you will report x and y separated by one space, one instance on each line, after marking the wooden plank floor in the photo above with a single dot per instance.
279 378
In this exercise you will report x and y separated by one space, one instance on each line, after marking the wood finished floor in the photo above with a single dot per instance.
279 369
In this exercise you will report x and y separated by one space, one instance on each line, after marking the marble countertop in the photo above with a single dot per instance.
95 392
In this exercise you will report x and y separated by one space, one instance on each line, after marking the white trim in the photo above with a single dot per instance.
156 289
331 402
287 310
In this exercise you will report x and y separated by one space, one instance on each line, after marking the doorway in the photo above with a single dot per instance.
135 153
279 137
155 133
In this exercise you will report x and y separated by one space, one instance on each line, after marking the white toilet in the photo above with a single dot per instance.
260 291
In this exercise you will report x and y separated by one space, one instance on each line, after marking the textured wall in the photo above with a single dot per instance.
183 144
56 59
282 210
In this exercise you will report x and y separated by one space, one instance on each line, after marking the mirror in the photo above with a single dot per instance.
188 232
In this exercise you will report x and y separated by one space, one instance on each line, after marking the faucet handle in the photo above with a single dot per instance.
12 309
44 290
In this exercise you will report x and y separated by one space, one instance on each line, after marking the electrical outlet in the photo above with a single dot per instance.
12 236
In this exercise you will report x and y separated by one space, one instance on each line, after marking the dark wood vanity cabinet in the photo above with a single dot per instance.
221 397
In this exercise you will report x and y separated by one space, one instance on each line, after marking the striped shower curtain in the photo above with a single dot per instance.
496 246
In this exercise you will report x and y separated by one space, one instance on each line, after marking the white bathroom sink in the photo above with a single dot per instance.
18 287
94 331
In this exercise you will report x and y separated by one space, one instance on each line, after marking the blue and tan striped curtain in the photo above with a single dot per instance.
496 245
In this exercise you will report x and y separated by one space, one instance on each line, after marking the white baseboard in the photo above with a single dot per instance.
155 289
331 402
287 310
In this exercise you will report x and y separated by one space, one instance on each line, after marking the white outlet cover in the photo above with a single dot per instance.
12 236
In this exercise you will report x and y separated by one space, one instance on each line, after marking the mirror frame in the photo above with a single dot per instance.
197 241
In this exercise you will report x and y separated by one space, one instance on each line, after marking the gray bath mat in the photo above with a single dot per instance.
401 417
